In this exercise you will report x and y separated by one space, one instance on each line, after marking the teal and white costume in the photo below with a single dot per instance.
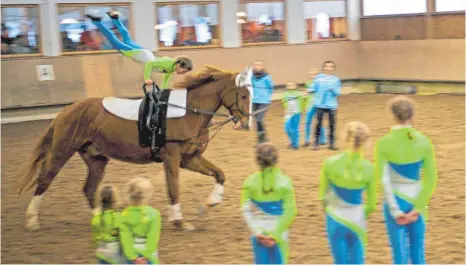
269 207
400 155
344 177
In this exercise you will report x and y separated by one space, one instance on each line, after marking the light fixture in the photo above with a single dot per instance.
69 21
240 21
241 14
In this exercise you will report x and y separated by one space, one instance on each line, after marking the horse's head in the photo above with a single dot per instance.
228 88
236 98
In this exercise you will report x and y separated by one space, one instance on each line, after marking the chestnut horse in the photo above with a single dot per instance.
97 135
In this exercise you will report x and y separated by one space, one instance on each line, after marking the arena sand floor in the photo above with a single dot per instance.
65 216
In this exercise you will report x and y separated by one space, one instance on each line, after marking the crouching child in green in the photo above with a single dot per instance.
105 227
140 224
269 207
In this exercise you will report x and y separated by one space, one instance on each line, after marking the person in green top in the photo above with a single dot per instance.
343 179
268 204
105 227
400 156
140 224
130 49
311 111
292 102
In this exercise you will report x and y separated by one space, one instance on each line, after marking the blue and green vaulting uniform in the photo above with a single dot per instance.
137 53
399 156
344 177
311 111
269 207
140 233
293 103
105 237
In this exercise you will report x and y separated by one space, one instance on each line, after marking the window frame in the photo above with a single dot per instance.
177 3
363 16
346 16
118 4
41 50
285 19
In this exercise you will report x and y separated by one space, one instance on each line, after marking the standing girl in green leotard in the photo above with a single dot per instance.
140 224
400 156
344 178
105 227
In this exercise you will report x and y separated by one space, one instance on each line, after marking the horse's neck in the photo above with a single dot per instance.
206 98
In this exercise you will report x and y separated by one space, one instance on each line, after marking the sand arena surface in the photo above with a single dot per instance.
65 217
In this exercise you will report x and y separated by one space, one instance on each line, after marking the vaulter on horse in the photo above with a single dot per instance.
155 103
130 49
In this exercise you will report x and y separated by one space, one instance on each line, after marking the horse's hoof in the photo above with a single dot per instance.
202 210
183 225
187 226
32 225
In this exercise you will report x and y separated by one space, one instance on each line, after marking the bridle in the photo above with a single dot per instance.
234 107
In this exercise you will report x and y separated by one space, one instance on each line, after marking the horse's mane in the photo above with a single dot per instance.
207 74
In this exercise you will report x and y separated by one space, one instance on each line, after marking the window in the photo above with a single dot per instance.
325 20
450 5
20 30
188 24
78 33
262 21
393 7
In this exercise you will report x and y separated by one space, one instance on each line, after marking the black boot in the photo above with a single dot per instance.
261 138
93 18
332 146
113 14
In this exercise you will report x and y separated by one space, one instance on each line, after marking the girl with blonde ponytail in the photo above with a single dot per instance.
344 177
141 224
400 156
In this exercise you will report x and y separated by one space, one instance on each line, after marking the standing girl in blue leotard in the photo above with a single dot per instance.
344 177
400 156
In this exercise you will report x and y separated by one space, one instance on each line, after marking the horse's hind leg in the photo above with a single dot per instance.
201 165
96 164
54 162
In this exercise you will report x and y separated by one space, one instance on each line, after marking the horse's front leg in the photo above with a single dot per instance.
201 165
171 162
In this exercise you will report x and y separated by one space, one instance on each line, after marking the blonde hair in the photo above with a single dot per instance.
266 155
107 197
356 134
140 190
402 108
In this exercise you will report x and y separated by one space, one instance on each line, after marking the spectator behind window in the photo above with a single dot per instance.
5 49
6 35
68 44
269 34
20 45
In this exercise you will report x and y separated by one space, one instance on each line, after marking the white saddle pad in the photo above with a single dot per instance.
128 109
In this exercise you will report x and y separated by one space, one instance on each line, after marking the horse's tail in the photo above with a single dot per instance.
28 176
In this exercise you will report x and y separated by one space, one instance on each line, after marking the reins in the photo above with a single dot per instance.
196 111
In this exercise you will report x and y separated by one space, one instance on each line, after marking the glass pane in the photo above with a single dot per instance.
20 30
78 33
188 25
262 22
325 20
394 7
450 5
